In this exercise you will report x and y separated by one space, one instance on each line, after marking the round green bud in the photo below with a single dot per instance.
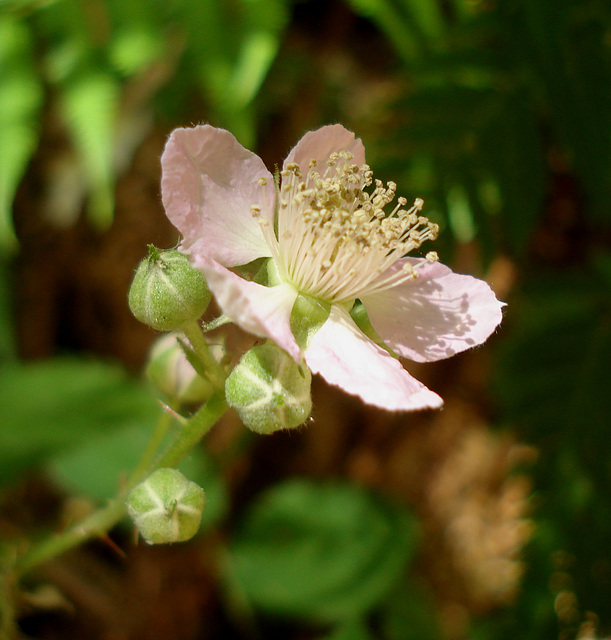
171 373
166 507
269 390
167 291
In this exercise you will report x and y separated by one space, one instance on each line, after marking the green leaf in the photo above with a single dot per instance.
135 48
512 149
20 102
392 23
90 102
7 338
264 22
564 334
568 50
323 552
56 404
354 629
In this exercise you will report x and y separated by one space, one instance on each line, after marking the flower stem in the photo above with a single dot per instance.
102 520
152 448
213 370
97 524
197 428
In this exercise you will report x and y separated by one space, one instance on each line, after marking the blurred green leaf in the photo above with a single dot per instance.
137 39
552 381
323 552
54 405
90 102
20 103
392 23
135 48
354 629
96 468
7 338
511 150
264 22
232 49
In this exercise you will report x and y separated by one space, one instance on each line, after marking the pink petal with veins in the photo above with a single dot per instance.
344 356
320 144
436 315
208 184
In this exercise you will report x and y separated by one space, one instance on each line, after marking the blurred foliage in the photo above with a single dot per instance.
114 454
75 401
497 94
498 114
347 548
105 67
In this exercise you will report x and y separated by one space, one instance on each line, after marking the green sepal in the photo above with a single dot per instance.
269 390
166 507
307 317
360 316
268 274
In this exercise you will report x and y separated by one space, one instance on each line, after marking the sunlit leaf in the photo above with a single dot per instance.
90 103
135 48
20 103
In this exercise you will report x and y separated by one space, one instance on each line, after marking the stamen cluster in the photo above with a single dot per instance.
334 239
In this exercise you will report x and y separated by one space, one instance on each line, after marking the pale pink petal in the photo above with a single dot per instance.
320 144
435 315
346 357
264 311
208 184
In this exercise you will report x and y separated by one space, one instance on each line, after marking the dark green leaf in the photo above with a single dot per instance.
354 629
324 552
20 103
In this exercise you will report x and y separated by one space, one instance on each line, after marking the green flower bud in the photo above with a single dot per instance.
166 507
269 390
168 292
171 373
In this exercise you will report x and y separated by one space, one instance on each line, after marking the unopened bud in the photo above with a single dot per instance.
269 390
173 375
166 507
168 292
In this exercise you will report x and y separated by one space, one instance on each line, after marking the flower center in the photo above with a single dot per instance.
334 240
